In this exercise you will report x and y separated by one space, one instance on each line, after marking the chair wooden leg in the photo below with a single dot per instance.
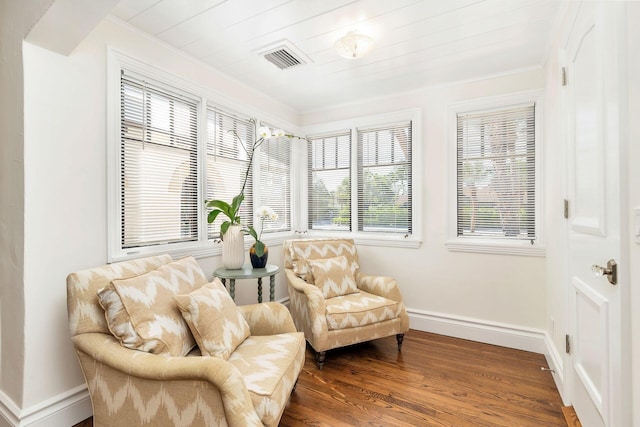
400 338
320 355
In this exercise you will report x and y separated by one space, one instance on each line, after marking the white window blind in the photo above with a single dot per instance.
273 183
329 203
496 173
384 178
227 163
158 164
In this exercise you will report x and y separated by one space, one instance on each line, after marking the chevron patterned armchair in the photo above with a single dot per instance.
168 380
333 303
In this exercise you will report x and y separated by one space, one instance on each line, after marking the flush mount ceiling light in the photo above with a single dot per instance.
353 45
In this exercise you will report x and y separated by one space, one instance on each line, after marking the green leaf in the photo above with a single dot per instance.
253 233
259 248
213 215
220 204
235 205
224 227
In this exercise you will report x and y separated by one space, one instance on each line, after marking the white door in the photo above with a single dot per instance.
593 99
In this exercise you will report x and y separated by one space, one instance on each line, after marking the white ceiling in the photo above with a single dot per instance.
418 42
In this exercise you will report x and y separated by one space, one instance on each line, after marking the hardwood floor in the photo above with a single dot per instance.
434 381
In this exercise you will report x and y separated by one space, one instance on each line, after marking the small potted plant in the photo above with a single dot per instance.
259 253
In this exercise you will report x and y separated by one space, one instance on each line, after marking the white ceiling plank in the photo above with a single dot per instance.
226 15
418 42
259 29
167 14
126 10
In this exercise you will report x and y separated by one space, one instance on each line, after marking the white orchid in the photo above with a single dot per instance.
231 210
264 132
265 212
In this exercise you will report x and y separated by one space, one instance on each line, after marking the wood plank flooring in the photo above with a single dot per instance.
434 381
571 417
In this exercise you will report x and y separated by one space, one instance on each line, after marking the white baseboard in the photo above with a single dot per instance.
554 360
501 334
63 410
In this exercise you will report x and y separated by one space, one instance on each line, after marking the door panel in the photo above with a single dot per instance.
589 195
591 341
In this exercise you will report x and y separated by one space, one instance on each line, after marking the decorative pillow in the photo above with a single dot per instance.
142 314
214 319
301 251
333 276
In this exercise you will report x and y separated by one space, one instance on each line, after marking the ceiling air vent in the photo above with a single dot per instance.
284 55
283 59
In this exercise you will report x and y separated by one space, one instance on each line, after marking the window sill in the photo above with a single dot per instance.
177 251
210 248
392 241
492 247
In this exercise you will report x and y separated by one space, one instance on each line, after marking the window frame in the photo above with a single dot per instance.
203 246
372 238
485 244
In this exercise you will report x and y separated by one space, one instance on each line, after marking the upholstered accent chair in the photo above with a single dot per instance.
333 303
245 378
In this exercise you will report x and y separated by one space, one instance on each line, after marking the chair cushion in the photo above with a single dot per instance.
333 276
301 251
214 319
270 366
142 314
359 309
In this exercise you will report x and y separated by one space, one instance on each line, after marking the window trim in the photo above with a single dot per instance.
456 243
361 237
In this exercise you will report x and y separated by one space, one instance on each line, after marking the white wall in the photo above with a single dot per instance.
15 22
65 189
487 288
12 206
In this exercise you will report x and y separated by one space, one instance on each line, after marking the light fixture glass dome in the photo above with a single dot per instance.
353 45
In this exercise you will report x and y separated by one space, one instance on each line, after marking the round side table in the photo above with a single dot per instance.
248 272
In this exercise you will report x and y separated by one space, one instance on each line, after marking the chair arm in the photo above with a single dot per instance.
104 348
307 306
311 292
379 285
268 318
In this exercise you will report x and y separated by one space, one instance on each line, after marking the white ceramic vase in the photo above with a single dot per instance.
233 248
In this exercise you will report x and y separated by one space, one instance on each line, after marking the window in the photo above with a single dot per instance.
330 182
169 151
496 180
361 180
384 179
229 140
158 158
273 182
